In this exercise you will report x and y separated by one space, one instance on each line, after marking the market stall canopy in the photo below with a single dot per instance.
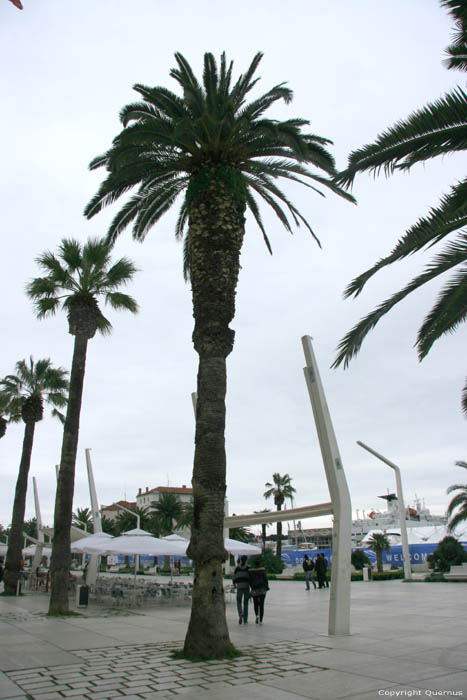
88 545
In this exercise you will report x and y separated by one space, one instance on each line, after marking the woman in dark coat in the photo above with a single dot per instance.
259 587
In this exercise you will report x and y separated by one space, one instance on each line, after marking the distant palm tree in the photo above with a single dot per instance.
33 384
264 526
83 517
459 501
109 526
76 278
280 489
186 518
168 512
438 129
379 543
127 521
222 155
241 534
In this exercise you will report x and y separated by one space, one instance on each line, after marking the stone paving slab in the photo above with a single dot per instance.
110 672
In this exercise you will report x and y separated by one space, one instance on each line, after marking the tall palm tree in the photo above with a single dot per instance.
438 129
379 543
220 153
280 489
459 502
75 279
34 384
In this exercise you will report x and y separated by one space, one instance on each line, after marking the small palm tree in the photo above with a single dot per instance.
83 519
379 543
168 511
264 526
241 534
459 502
34 384
436 130
75 280
280 489
127 521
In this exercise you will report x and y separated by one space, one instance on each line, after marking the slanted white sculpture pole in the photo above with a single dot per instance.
40 533
91 573
400 498
339 604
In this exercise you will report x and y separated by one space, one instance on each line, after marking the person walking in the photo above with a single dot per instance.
242 583
308 568
326 582
320 568
259 587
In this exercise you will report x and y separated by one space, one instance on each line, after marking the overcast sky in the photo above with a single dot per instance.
355 68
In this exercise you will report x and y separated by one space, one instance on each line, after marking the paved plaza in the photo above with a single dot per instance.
408 640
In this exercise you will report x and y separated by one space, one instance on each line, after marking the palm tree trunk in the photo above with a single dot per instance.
61 554
279 535
215 240
15 543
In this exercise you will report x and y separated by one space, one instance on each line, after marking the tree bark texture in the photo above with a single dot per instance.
14 554
61 553
279 535
216 236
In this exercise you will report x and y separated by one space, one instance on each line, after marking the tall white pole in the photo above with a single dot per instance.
400 498
96 516
93 565
40 532
339 604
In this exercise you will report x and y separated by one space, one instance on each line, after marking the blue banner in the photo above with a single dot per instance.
418 554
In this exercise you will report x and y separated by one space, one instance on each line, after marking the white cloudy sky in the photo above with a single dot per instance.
355 68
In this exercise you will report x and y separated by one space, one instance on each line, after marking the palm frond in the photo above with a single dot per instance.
351 343
436 129
446 315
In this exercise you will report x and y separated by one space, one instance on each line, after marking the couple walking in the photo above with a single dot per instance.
252 582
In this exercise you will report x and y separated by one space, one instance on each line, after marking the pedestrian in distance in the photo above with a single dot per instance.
326 582
259 587
242 584
320 568
308 568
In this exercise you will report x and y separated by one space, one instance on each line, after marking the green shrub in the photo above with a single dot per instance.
272 563
387 575
449 552
359 559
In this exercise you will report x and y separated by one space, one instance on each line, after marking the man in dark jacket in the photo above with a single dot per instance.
242 584
308 567
320 567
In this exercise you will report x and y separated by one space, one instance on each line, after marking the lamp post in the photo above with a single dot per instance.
400 498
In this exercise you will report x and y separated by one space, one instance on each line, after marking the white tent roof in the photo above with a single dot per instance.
87 545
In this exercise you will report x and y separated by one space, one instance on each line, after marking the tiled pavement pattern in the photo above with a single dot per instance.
148 671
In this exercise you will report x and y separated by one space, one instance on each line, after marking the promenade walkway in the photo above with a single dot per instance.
408 640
